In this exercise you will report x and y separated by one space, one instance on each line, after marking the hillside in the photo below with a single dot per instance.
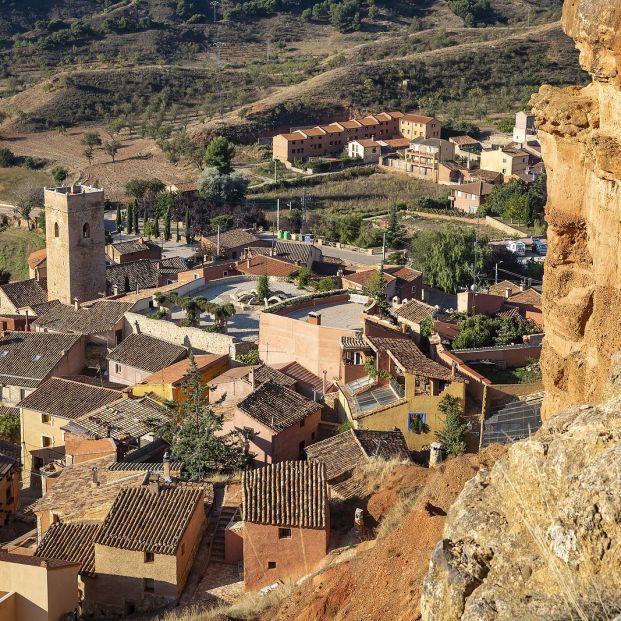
15 246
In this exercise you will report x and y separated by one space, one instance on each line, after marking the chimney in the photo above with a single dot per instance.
94 479
115 290
252 378
325 382
453 369
522 286
248 263
435 454
272 251
73 189
141 239
154 484
507 293
314 319
166 466
76 304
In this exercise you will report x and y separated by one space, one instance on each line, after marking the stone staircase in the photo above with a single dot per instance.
217 546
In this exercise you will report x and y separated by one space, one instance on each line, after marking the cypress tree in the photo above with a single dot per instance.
119 218
156 226
130 218
187 225
167 235
135 210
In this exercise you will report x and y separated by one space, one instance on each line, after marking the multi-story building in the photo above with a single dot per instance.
332 139
524 127
508 161
470 196
425 155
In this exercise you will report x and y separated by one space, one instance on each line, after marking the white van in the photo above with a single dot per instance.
517 247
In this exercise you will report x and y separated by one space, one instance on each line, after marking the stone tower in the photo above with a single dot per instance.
75 240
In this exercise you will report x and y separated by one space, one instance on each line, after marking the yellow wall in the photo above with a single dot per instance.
42 595
398 416
32 430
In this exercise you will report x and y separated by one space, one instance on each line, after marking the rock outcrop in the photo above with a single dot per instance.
538 536
580 134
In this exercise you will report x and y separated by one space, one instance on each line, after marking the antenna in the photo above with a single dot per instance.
214 4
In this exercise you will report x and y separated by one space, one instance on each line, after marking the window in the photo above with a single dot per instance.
302 423
149 585
149 557
284 533
22 393
271 564
55 518
56 230
46 441
357 357
117 367
86 230
45 418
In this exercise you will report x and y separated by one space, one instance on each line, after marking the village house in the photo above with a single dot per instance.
524 129
412 314
29 358
470 196
402 283
19 297
10 470
403 392
44 412
133 250
230 244
302 254
141 355
508 160
346 452
467 149
117 428
37 265
413 126
283 421
267 266
306 383
142 274
366 149
238 382
37 589
286 522
167 383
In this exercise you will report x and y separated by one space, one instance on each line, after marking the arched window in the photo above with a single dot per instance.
86 231
56 230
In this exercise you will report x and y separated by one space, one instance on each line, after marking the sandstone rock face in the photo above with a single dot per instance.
580 133
539 535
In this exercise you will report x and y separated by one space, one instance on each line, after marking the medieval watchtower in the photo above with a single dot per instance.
75 240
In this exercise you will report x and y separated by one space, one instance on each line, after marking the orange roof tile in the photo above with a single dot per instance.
37 257
175 373
271 266
313 131
369 120
351 124
417 118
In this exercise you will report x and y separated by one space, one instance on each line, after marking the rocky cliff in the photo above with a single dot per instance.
580 133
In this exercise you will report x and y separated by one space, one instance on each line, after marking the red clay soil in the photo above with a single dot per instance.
384 579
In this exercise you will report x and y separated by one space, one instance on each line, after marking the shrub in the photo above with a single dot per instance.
7 158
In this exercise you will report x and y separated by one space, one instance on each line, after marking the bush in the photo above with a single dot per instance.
505 126
7 158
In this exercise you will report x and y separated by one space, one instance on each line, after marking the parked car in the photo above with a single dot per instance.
540 246
517 247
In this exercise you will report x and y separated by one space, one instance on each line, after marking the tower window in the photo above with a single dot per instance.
56 230
86 231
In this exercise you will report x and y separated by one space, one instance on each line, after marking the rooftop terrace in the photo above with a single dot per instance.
344 314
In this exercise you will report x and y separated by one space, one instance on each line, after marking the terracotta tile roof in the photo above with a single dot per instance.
100 316
407 355
262 373
333 128
176 373
501 287
10 455
313 131
351 124
27 358
276 406
353 343
297 135
403 273
134 245
71 542
24 293
368 142
477 188
36 258
509 313
72 493
415 311
68 399
363 278
145 352
120 420
463 140
417 118
155 467
343 452
368 121
397 143
141 519
302 376
233 238
490 176
41 309
271 266
127 276
530 296
290 493
34 561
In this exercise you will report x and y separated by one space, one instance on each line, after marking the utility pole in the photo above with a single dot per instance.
277 214
384 247
275 173
214 4
219 45
218 243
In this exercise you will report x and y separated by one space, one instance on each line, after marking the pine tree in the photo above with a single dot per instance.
263 288
130 218
454 430
156 227
193 432
167 234
376 290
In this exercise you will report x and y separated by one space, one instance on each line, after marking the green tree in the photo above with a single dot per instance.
224 221
263 288
395 233
250 357
194 432
91 140
396 258
137 188
476 331
304 276
187 222
505 126
349 228
376 290
119 218
7 158
223 189
219 154
517 208
9 427
136 228
112 148
454 429
345 16
447 257
193 307
167 222
326 284
373 12
89 154
41 220
130 218
221 314
511 330
59 174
